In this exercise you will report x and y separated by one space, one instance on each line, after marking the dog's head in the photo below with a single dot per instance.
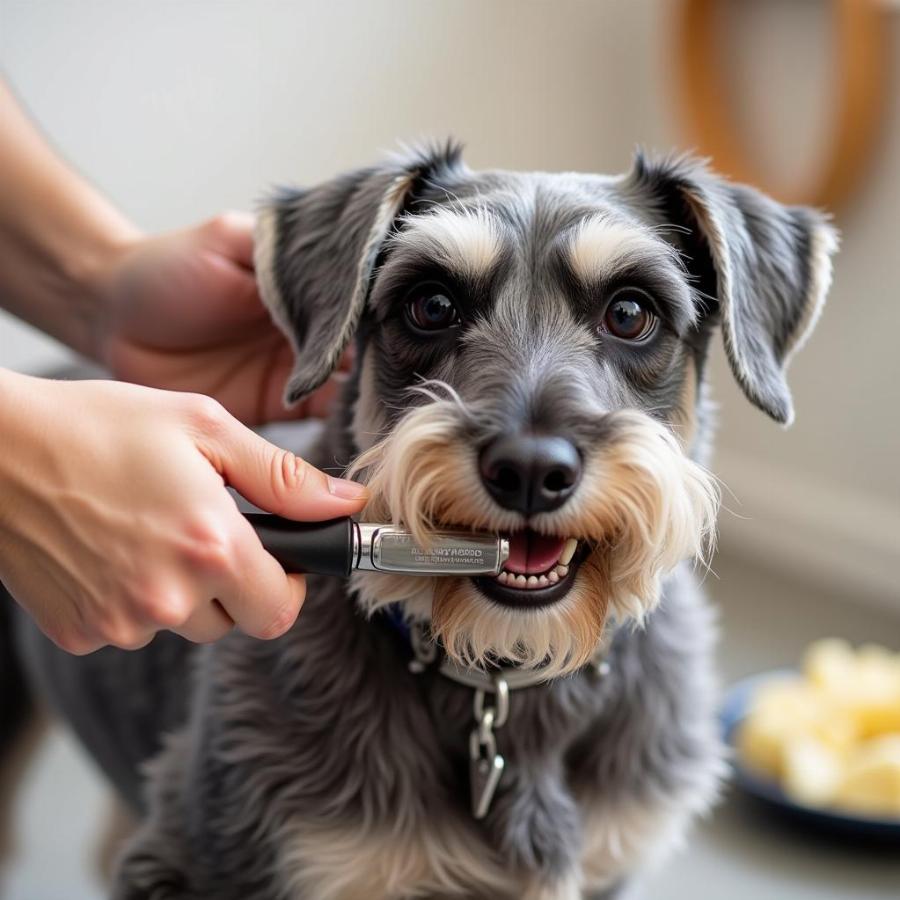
530 358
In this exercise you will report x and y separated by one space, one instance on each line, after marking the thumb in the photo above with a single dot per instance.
278 481
231 234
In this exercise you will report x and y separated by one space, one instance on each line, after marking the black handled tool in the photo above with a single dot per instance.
339 546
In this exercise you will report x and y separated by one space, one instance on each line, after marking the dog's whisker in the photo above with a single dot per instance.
670 226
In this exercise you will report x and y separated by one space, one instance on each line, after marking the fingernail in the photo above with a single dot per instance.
346 490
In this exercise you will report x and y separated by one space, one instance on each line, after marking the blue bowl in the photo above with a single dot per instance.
734 711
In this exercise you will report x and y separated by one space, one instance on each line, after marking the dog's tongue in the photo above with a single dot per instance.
531 553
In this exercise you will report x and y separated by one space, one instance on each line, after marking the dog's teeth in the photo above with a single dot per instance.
562 571
543 581
532 581
552 577
503 578
568 552
520 581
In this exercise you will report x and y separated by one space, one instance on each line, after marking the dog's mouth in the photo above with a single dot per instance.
540 570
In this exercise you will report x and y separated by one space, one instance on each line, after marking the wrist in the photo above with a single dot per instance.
86 272
53 269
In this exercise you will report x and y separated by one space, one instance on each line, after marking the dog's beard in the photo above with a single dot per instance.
642 507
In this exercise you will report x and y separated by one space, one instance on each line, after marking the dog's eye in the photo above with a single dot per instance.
430 308
628 316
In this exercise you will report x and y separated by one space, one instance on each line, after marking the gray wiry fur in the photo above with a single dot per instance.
327 239
317 766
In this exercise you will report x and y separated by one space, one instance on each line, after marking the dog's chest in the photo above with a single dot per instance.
570 818
539 840
446 857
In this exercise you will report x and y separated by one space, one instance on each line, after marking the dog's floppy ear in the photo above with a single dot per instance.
316 250
765 267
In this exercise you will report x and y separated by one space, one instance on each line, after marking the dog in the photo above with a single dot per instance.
530 360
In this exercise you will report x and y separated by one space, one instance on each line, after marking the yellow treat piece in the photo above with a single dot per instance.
875 695
812 771
829 664
760 742
831 736
773 718
791 708
871 784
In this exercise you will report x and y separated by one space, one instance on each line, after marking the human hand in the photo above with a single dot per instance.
181 311
178 311
115 521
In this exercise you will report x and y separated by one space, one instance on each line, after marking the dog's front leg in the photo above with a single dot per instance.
164 859
537 824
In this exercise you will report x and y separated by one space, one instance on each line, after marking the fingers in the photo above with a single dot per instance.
208 623
67 633
261 598
80 639
270 619
231 234
278 481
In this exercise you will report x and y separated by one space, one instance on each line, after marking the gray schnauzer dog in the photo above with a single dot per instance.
530 360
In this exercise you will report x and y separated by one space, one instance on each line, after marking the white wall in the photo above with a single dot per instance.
178 109
824 497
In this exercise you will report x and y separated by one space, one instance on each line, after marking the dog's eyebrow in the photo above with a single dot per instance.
468 242
600 250
598 247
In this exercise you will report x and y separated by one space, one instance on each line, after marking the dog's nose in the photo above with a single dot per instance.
530 473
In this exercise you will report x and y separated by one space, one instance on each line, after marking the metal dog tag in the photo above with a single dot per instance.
484 776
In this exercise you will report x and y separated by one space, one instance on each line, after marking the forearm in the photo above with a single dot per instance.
57 236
